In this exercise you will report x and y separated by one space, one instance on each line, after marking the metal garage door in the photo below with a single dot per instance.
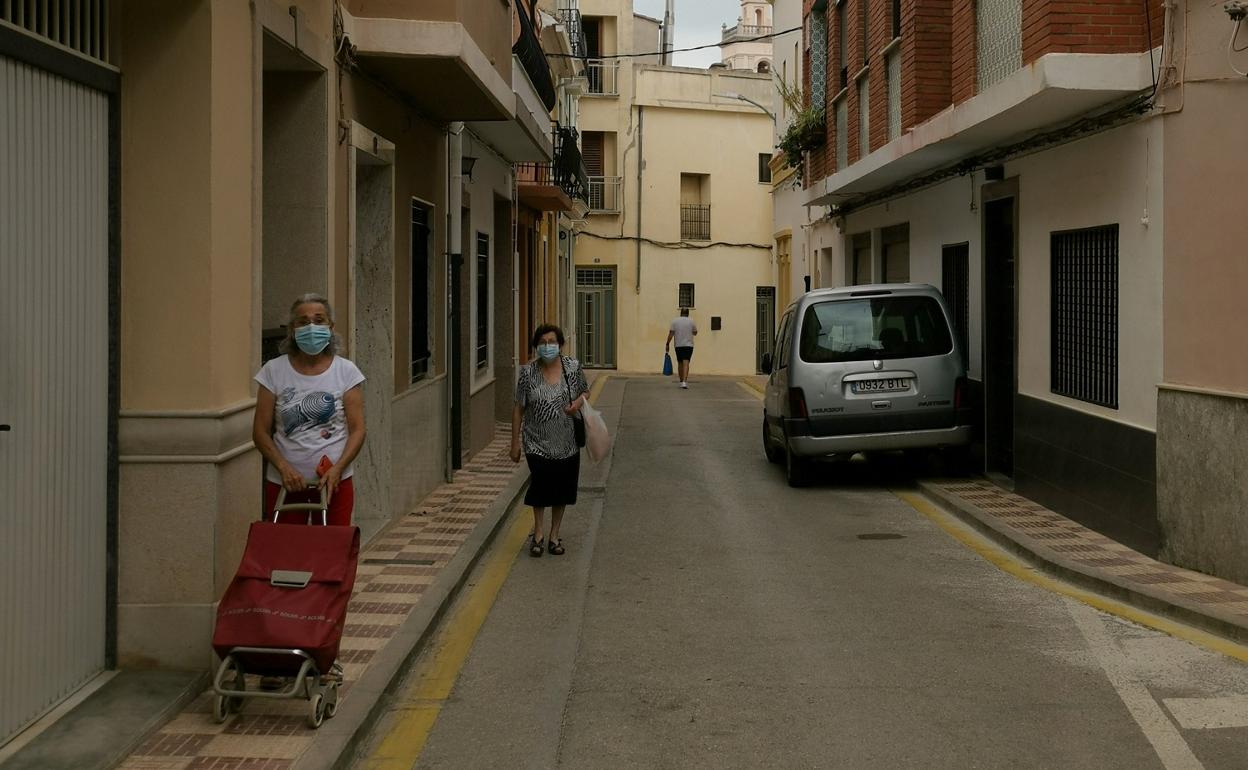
54 378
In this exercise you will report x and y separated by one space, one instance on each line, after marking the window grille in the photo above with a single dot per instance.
1084 314
80 25
818 59
695 222
864 116
842 134
483 300
587 277
896 19
684 297
998 40
419 298
864 18
894 93
842 33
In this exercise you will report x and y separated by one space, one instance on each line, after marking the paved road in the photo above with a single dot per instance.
706 615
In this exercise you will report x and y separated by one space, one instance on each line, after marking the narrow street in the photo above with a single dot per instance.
707 615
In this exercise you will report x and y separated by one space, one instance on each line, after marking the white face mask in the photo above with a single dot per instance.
548 351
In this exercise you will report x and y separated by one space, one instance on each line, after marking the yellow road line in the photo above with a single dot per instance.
751 390
422 702
1010 565
596 389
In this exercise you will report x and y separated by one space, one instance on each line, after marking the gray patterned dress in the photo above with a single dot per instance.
548 435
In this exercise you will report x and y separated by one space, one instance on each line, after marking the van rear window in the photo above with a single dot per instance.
879 327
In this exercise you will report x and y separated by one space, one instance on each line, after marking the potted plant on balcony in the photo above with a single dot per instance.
806 131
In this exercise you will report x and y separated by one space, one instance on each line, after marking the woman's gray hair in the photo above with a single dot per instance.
288 345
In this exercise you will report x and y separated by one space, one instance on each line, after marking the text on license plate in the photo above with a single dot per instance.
880 386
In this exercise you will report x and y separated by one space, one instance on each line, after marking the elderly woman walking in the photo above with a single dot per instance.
550 392
309 421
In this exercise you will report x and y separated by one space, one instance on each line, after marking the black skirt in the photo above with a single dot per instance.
552 482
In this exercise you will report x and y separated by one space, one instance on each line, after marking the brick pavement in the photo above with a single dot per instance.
1210 601
394 571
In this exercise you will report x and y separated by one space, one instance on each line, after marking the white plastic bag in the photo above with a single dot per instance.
597 442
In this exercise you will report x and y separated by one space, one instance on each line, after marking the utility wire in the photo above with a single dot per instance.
677 245
674 50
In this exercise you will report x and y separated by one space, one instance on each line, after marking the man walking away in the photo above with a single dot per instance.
683 331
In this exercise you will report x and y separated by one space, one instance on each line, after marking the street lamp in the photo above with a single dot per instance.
740 98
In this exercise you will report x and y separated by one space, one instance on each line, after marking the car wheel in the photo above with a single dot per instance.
774 455
795 468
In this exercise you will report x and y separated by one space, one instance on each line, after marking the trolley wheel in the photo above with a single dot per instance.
331 700
220 708
235 704
316 711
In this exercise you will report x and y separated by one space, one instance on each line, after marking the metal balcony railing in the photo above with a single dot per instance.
571 18
528 49
567 171
695 221
745 32
80 25
603 76
604 194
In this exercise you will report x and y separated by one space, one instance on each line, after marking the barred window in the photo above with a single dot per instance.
1084 320
684 297
419 295
483 300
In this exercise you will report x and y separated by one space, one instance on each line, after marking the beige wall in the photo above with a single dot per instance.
1206 230
680 113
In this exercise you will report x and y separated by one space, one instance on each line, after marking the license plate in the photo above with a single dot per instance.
880 386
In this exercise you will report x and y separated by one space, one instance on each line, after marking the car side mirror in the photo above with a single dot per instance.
766 363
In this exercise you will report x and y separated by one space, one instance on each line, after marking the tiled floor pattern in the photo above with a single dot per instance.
1097 552
393 573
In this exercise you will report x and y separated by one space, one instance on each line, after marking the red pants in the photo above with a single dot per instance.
341 504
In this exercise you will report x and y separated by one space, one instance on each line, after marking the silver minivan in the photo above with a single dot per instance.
864 369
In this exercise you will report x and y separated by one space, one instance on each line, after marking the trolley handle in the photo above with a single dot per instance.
310 508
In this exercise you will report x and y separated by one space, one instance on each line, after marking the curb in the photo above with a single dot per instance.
1038 555
337 741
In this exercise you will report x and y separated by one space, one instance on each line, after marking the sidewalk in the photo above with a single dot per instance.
1078 555
406 576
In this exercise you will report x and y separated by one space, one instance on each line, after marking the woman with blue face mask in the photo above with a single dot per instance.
309 421
550 391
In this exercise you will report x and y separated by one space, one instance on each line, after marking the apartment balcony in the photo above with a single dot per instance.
1051 91
527 136
560 184
743 32
604 77
452 58
570 18
604 194
528 51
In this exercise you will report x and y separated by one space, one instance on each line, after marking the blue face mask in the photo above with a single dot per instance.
313 338
548 351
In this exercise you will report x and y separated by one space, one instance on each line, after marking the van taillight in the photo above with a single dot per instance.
959 393
797 403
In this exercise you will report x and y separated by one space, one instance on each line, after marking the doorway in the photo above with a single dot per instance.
765 323
1000 327
595 307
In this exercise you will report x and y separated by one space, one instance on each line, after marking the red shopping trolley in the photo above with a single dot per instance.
284 611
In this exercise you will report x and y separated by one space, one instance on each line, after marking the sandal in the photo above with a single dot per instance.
555 547
535 550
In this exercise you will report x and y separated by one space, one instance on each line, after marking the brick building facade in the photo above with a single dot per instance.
1039 160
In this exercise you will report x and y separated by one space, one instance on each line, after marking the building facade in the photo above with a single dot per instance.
740 45
674 218
1032 160
213 160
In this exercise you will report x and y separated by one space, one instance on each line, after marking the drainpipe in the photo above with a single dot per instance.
455 261
641 162
516 333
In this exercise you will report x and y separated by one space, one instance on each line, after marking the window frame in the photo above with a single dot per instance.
1084 336
680 294
764 168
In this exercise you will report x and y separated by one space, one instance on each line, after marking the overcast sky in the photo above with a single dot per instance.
698 22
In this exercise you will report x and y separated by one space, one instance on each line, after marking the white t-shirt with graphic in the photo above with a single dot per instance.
309 418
